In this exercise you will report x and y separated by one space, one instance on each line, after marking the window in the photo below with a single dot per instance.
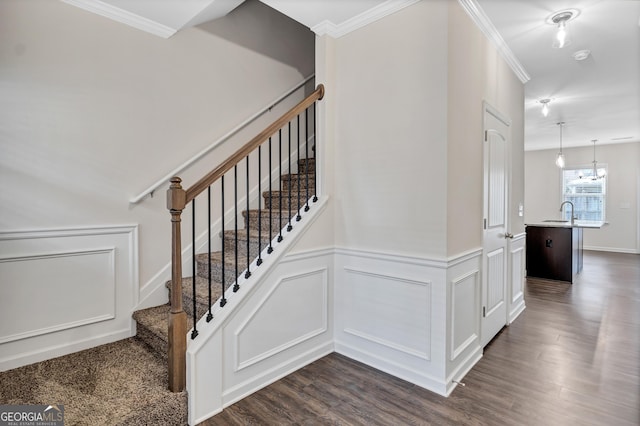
586 192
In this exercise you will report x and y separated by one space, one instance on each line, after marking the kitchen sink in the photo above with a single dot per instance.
556 221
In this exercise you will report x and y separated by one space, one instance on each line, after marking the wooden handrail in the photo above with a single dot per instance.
240 154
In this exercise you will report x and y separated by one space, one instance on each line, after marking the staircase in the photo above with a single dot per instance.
152 325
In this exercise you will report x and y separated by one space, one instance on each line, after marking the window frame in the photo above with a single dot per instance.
602 194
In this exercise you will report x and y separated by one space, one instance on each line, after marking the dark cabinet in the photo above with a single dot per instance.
553 252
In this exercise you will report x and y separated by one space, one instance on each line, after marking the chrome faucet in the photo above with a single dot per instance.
573 209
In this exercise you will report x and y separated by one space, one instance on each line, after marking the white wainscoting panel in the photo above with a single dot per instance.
65 290
516 304
389 311
415 318
277 324
465 297
43 283
463 349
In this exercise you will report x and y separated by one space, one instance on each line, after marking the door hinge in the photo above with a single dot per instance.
484 312
486 135
484 223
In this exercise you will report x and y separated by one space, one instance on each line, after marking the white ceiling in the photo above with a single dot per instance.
598 98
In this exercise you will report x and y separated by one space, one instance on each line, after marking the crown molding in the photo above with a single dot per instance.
480 18
384 9
109 11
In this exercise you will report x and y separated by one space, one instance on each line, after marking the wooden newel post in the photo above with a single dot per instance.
176 201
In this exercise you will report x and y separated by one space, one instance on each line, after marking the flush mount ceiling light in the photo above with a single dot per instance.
581 55
560 19
545 106
560 157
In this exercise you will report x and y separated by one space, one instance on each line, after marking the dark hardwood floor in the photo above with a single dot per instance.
572 358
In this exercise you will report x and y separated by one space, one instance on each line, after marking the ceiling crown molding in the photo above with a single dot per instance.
109 11
384 9
483 22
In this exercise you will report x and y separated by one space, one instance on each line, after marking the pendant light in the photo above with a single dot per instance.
560 157
595 175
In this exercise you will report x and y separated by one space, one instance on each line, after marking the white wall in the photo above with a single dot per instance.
477 73
390 133
543 192
95 111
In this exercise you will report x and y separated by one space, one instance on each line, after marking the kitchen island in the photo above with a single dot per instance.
554 249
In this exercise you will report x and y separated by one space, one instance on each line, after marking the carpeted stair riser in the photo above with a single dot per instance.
307 165
152 328
282 200
202 266
295 182
256 245
277 217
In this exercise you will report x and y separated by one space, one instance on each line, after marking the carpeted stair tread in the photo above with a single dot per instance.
154 320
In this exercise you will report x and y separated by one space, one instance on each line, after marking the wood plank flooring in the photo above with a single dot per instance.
572 358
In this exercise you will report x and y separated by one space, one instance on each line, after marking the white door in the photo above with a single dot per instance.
494 258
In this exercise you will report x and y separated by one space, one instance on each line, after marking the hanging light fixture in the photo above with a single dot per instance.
595 174
560 19
545 106
560 157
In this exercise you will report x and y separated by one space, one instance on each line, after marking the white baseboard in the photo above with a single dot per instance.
612 249
49 352
462 370
515 313
395 369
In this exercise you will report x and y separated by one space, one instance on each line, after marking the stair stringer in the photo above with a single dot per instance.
279 321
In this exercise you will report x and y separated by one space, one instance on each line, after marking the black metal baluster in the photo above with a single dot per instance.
298 217
259 261
210 314
270 249
315 155
248 273
280 184
289 227
194 332
306 151
223 299
236 286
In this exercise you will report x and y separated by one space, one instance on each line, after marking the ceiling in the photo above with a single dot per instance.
597 98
